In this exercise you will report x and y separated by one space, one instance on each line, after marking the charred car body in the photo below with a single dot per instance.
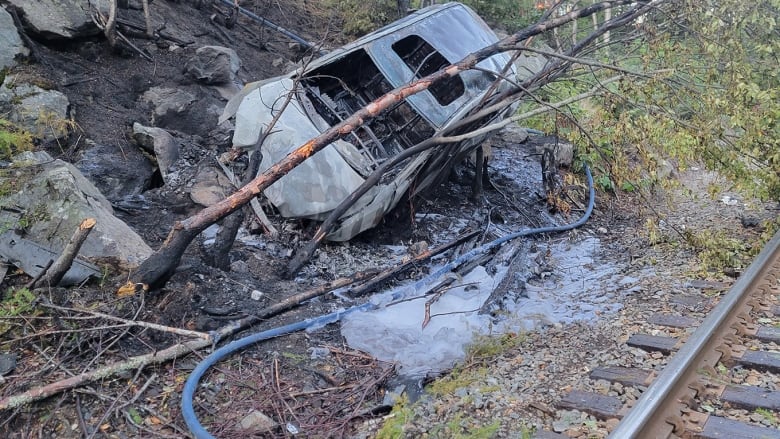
333 87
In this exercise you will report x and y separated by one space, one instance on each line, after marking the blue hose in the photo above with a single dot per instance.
188 393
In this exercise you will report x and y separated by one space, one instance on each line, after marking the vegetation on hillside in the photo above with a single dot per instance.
691 82
695 84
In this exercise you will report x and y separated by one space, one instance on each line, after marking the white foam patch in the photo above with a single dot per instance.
578 288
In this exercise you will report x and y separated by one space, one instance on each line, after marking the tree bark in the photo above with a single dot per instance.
403 7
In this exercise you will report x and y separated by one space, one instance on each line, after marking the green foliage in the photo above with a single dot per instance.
458 378
393 427
716 251
706 91
511 15
18 302
463 428
769 415
714 95
488 347
361 17
13 140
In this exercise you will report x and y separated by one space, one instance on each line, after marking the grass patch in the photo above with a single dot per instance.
464 428
769 415
13 140
487 346
393 427
17 302
481 350
460 377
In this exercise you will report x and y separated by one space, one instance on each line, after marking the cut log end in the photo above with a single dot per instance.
131 289
88 223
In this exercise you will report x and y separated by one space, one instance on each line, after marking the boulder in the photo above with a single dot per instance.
562 149
44 113
50 198
11 43
160 143
213 65
210 186
60 19
168 105
119 172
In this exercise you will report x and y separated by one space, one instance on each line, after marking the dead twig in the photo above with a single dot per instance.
127 322
82 422
147 19
56 272
114 402
30 285
47 390
393 271
324 390
172 352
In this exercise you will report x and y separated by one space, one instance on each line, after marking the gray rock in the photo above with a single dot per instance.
60 19
257 422
213 65
44 113
168 104
54 197
11 43
120 172
392 396
563 150
567 418
161 144
210 186
7 363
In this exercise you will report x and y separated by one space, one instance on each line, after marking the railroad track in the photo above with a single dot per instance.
740 332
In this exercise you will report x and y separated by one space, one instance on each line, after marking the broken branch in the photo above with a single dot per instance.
156 270
128 322
174 351
54 273
42 392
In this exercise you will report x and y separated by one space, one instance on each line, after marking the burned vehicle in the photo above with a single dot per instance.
331 88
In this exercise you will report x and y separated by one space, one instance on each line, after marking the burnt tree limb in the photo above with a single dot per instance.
156 270
219 256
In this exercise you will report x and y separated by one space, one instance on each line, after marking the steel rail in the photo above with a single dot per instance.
672 383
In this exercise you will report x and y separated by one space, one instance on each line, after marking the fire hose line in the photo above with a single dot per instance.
188 393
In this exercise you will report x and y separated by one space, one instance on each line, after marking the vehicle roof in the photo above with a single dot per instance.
435 25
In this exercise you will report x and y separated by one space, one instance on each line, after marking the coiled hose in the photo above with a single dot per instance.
187 409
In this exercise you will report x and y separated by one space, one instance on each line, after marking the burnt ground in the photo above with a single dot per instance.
307 381
310 380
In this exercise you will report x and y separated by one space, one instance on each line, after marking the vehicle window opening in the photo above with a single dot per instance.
423 60
338 89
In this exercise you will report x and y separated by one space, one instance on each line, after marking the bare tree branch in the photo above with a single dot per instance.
156 270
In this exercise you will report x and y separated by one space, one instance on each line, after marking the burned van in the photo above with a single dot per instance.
333 87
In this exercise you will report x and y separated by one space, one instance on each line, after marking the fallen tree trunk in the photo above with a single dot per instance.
156 270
